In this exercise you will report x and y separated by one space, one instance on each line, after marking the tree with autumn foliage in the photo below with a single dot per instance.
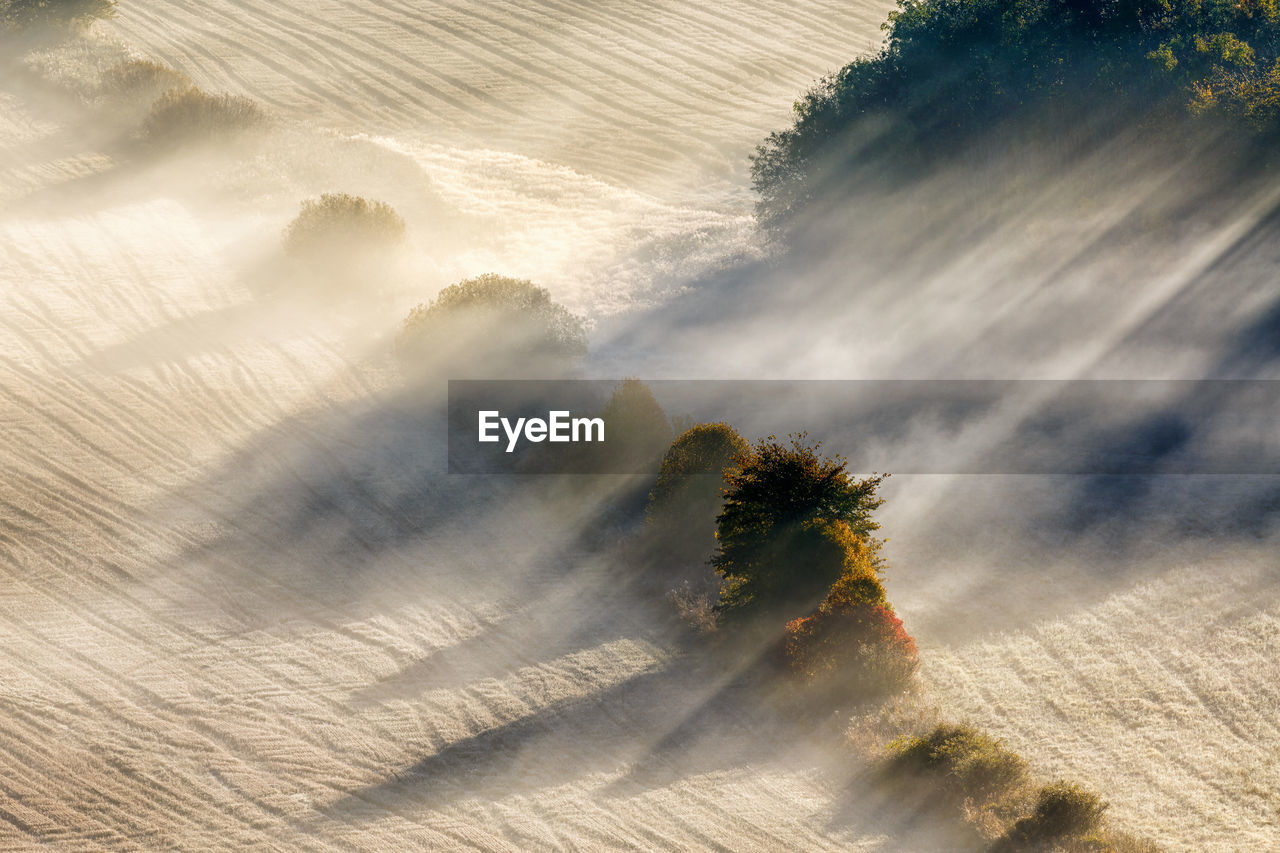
790 516
852 644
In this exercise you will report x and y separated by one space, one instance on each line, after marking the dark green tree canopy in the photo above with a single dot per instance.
788 513
951 71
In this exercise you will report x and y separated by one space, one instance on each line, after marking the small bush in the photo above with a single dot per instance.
24 15
337 223
495 324
137 79
963 761
1063 810
695 608
192 115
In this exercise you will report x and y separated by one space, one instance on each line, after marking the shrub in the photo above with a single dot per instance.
141 79
788 519
331 227
680 518
192 115
962 761
1062 810
20 15
494 323
693 607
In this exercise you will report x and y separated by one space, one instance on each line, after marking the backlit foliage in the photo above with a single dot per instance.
1063 811
853 645
508 319
692 474
187 115
855 650
339 223
142 78
789 517
961 761
955 70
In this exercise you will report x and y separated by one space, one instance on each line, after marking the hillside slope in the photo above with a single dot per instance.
241 606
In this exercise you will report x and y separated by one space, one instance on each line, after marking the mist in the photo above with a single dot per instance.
247 605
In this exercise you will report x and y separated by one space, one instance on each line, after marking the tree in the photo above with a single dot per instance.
492 324
337 224
855 651
344 245
1062 810
961 761
958 76
691 478
680 518
789 520
636 428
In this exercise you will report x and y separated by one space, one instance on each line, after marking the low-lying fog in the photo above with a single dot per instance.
244 605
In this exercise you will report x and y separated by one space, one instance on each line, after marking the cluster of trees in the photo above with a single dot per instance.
955 71
170 110
793 547
794 544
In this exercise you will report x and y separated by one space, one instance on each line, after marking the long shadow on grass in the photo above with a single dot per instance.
656 727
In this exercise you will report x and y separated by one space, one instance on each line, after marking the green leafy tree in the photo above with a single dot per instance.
783 532
954 73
